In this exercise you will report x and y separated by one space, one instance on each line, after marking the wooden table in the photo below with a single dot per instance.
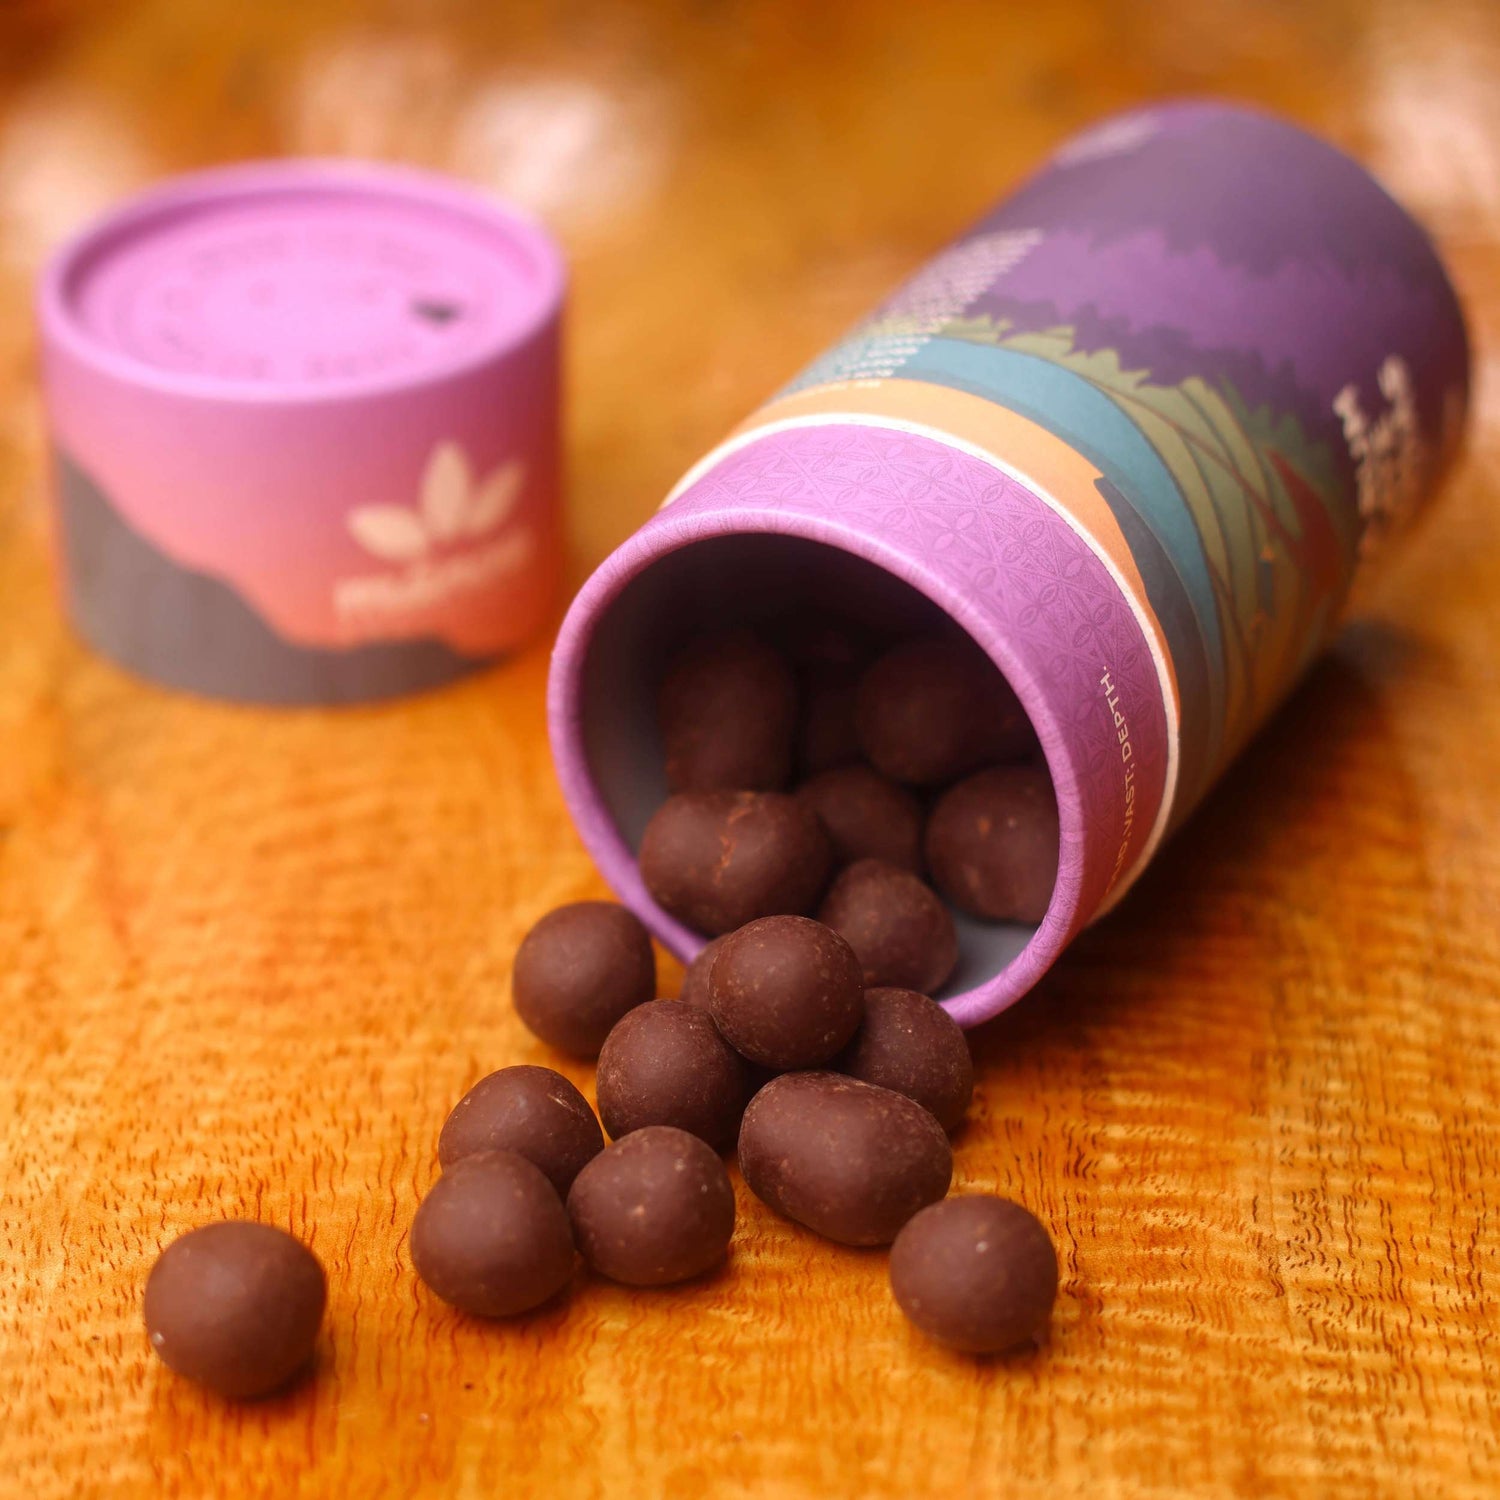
249 959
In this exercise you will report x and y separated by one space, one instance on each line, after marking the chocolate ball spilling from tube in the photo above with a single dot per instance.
236 1306
1053 489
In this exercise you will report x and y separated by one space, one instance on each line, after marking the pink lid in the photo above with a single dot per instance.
306 425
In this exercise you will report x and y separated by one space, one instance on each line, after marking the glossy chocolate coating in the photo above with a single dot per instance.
992 844
534 1112
492 1237
901 932
654 1208
866 816
910 1044
787 992
851 1161
975 1272
579 970
666 1064
727 709
936 708
716 860
236 1306
694 989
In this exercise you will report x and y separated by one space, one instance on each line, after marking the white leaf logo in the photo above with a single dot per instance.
446 488
451 506
389 531
496 498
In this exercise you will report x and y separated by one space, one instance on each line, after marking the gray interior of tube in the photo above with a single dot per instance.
750 579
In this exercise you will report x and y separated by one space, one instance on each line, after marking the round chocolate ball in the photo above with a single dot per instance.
902 934
992 844
579 970
236 1307
826 733
694 989
975 1272
654 1208
666 1064
934 709
492 1237
850 1161
787 992
728 710
910 1044
866 816
716 860
534 1112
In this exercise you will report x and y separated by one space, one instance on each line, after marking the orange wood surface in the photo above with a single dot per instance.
249 959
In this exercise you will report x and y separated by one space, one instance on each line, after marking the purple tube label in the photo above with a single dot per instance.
1253 347
1135 433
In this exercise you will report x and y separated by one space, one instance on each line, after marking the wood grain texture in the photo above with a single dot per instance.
248 960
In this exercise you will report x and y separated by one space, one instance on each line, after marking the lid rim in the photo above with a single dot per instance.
64 334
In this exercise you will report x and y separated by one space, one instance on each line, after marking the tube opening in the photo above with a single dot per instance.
765 581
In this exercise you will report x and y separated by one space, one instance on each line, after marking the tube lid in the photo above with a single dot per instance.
305 418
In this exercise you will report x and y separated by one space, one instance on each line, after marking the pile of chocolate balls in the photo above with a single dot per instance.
920 759
804 1038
